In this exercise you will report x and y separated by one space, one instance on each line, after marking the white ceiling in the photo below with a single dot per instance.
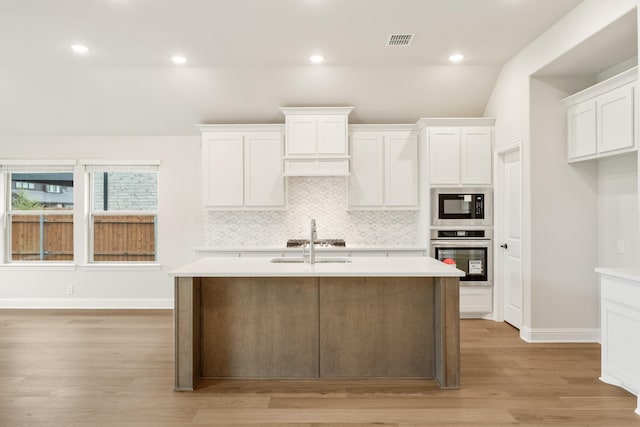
145 33
248 57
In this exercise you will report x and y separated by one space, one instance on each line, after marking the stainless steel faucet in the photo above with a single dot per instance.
312 239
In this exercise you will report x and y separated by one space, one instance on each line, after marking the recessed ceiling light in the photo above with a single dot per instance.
179 59
316 59
456 58
79 49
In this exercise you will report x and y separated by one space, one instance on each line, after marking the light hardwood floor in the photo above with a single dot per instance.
115 368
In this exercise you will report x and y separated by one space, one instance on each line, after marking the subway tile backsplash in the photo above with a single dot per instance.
322 198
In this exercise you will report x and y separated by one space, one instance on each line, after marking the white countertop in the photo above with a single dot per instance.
358 267
630 273
363 248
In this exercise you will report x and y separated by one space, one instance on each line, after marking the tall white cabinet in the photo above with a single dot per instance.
384 167
460 154
242 167
602 120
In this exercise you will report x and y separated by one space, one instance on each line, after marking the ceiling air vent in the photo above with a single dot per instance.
400 39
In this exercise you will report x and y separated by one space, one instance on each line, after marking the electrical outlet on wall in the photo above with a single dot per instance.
620 246
69 289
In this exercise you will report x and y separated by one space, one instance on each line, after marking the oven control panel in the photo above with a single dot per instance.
448 234
462 234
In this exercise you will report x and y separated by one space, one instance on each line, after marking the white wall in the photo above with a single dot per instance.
564 240
618 211
180 225
510 102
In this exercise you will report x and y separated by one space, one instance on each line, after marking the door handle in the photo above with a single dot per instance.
505 246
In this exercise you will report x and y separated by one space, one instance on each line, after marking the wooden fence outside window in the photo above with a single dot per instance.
115 238
124 238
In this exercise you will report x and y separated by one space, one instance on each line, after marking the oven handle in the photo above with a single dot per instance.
462 243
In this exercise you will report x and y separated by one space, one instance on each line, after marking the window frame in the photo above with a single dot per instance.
9 167
117 165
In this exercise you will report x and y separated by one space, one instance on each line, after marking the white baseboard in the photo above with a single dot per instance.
485 316
88 303
560 335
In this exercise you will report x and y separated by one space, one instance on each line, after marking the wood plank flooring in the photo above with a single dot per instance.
115 368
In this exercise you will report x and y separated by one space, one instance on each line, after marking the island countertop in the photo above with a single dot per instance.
358 267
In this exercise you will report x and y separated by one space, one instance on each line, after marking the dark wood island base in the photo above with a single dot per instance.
316 327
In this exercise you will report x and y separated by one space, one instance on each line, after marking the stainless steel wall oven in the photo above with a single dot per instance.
470 250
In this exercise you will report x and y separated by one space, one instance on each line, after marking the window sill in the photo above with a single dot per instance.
32 266
107 266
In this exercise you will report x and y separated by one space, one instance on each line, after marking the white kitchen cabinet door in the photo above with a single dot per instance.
582 129
301 134
476 154
615 119
444 155
367 170
222 169
332 134
401 169
475 302
619 326
263 174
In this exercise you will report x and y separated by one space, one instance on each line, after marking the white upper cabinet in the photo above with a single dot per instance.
242 167
316 141
460 150
614 116
301 135
401 169
367 169
222 170
601 120
332 135
384 168
444 156
263 178
581 127
476 152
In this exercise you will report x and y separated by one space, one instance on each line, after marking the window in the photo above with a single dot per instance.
123 213
25 185
40 224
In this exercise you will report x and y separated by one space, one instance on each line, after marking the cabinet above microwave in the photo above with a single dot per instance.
460 150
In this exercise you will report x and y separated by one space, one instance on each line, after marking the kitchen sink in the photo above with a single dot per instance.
319 260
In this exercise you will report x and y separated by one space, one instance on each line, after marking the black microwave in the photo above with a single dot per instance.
461 207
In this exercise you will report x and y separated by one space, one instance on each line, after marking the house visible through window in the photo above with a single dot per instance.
124 212
41 221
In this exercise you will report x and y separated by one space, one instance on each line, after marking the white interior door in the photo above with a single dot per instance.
511 236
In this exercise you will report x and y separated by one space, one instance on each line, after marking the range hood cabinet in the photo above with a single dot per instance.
316 141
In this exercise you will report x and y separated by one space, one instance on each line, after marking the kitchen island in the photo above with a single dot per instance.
366 318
